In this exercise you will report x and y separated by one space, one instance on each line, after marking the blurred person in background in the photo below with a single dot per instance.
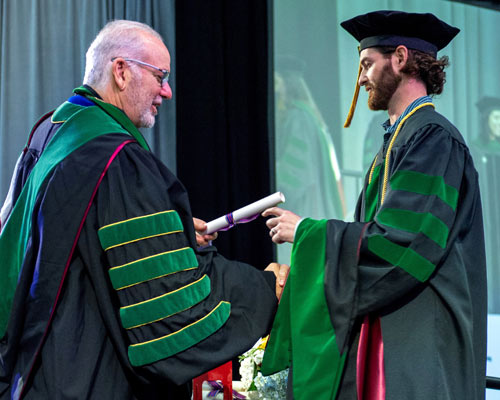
307 169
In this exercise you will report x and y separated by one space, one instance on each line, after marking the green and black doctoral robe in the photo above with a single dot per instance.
104 293
393 305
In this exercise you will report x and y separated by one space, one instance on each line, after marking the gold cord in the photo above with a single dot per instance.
388 153
372 169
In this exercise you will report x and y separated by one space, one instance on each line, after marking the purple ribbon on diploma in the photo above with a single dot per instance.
230 221
244 214
218 388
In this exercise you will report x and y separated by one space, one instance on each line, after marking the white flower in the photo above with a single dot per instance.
271 387
246 371
258 356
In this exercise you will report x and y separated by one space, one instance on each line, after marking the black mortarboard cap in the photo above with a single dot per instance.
424 32
486 104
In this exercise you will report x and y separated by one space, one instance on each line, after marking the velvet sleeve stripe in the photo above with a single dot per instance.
415 222
418 182
157 349
152 267
139 228
164 306
403 257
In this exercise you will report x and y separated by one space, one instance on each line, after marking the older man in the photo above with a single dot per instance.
393 305
104 294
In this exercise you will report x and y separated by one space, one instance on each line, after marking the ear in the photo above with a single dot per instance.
400 57
121 73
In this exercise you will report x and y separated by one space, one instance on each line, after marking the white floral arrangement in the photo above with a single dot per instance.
272 387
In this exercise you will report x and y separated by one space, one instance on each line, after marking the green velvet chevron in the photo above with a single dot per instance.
417 182
166 346
415 222
400 256
152 267
139 228
164 306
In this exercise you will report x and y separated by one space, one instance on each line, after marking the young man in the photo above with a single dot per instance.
104 294
396 301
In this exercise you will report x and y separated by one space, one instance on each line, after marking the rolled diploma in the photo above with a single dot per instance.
246 212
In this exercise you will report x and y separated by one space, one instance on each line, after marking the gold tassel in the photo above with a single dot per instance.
348 120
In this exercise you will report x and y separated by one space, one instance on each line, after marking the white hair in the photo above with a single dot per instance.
120 38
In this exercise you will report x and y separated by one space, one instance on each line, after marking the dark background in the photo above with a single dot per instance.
223 137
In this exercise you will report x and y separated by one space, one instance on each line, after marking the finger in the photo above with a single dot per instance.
282 275
274 232
276 239
212 236
199 225
276 211
199 239
272 222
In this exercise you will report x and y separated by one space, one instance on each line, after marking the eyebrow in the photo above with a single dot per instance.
364 60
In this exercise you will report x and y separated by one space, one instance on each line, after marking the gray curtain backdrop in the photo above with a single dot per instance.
42 58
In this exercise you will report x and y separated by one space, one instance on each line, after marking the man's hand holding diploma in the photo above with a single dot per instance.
203 239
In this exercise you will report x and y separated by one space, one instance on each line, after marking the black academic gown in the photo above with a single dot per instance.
68 336
400 305
414 268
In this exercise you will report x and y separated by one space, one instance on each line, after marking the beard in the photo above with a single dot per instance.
142 102
146 119
382 90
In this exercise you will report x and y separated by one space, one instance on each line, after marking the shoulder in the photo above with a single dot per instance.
102 147
428 122
121 157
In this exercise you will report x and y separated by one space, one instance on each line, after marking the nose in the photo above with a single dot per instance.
166 91
362 79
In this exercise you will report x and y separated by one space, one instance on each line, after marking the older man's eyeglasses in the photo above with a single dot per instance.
163 79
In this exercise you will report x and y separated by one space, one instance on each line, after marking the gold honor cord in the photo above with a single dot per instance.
388 153
372 169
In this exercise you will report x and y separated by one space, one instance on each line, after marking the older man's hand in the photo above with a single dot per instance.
203 239
281 272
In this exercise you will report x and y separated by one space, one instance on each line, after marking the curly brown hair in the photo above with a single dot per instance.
424 67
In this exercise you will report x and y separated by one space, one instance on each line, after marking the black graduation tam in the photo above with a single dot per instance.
424 32
486 104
